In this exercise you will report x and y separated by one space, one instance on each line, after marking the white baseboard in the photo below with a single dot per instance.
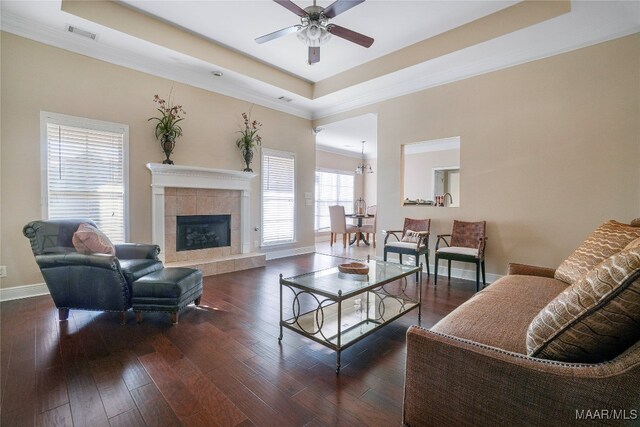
461 273
25 291
290 252
458 273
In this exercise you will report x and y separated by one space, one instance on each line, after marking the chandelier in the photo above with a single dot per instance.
362 166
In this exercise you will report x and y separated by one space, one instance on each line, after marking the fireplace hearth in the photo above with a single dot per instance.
202 231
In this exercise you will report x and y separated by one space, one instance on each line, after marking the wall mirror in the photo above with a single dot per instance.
431 173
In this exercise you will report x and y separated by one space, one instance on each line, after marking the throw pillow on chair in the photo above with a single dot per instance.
89 240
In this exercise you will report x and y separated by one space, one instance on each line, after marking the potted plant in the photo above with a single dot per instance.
249 139
167 128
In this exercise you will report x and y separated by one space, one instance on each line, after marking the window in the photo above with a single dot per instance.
85 171
332 188
278 197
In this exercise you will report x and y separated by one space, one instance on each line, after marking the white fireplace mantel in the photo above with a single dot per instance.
179 176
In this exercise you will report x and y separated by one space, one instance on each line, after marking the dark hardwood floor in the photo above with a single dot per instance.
221 365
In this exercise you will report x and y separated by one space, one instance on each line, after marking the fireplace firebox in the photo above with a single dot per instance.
202 232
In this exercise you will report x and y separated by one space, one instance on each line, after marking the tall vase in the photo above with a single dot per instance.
168 143
248 157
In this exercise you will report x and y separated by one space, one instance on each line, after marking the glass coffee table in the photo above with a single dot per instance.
337 309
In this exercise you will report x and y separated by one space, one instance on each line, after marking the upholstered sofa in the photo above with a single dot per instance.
475 367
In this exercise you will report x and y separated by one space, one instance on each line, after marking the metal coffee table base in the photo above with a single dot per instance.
338 319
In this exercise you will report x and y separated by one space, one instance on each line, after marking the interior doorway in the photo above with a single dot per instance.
347 151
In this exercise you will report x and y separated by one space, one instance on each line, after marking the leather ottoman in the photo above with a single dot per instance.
168 290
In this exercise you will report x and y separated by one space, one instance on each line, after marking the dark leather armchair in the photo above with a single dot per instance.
87 282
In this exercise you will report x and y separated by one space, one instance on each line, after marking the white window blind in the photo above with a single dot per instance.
85 173
332 188
278 197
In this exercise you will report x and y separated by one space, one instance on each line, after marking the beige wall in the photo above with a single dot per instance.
2 280
371 184
549 150
36 77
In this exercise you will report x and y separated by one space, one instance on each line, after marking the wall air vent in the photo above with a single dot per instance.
81 32
285 98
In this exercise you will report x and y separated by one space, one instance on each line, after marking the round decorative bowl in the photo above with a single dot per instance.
354 268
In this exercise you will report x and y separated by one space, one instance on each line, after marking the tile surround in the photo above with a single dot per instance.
192 201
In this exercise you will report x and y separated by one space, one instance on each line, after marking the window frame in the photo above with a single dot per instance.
335 172
271 152
47 117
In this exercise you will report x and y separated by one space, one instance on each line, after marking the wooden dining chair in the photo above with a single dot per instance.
339 225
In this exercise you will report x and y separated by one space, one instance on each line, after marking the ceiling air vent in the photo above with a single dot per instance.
81 32
285 98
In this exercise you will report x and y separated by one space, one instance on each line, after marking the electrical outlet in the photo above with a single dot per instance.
3 271
256 244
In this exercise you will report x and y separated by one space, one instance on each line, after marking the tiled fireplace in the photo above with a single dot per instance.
191 195
189 203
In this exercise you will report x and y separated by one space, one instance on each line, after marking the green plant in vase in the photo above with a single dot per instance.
249 139
167 128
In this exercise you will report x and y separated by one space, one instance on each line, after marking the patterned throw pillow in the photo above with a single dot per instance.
411 236
89 240
595 319
608 239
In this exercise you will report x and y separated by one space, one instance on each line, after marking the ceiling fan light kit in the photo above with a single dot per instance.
314 35
314 28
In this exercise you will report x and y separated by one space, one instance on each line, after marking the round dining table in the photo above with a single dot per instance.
359 235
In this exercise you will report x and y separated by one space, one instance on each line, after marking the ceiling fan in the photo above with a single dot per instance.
314 28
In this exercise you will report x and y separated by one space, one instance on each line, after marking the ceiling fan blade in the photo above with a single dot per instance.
292 7
339 6
314 54
276 34
350 35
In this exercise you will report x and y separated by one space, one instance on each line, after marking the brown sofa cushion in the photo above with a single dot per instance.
608 239
500 314
595 319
